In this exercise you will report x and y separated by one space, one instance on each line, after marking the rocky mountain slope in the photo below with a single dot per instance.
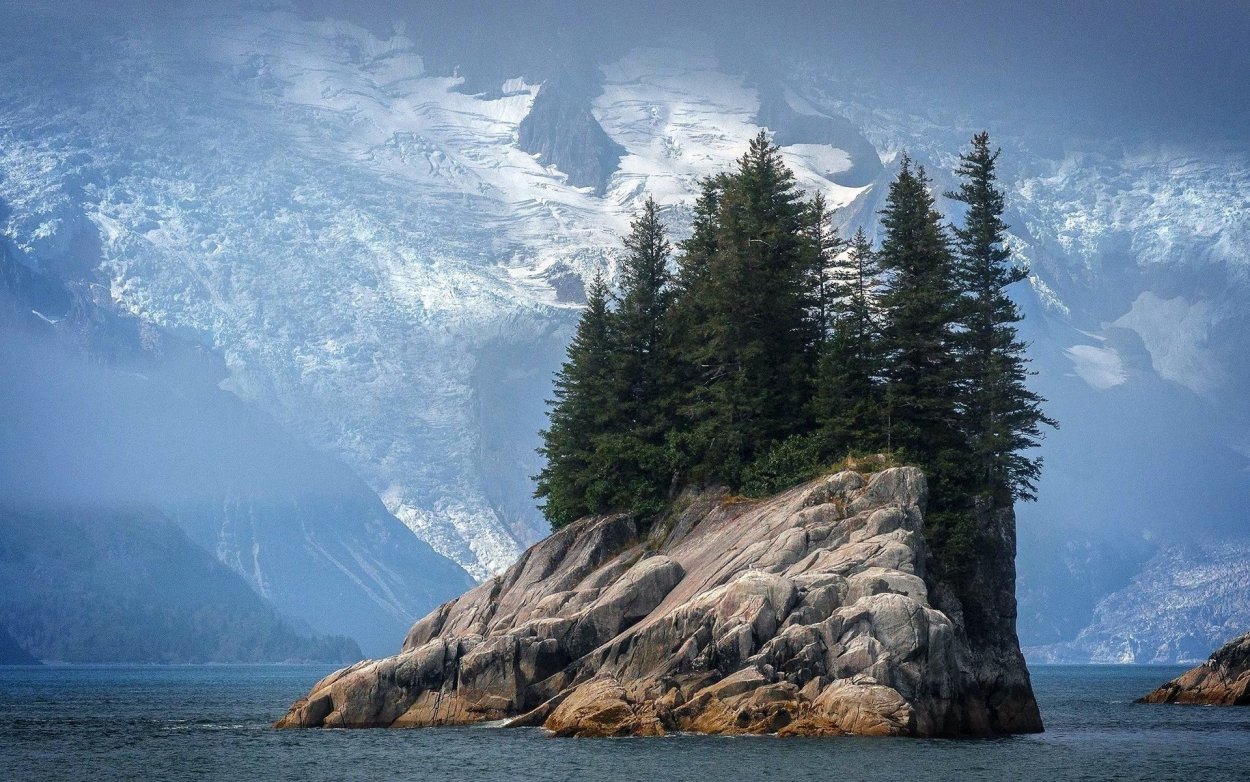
367 246
111 586
1223 680
812 613
1185 600
12 653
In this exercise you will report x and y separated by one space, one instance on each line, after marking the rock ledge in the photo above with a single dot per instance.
1223 680
810 613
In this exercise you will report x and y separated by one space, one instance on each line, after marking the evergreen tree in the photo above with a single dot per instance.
698 251
748 336
644 298
635 452
823 246
582 411
688 323
921 304
1003 416
848 394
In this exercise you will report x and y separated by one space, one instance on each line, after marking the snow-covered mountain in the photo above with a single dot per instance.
357 236
388 254
1187 600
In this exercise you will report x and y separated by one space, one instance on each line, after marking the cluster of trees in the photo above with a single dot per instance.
772 348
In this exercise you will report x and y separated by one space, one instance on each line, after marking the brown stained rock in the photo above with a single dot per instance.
810 613
596 708
862 707
1223 680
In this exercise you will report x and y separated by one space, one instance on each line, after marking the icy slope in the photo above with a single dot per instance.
1187 600
354 235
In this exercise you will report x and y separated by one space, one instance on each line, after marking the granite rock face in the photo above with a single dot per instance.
1223 680
811 613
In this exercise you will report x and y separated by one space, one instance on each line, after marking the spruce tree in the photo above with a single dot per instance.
748 338
921 304
1003 416
848 393
687 324
634 453
641 314
572 484
823 246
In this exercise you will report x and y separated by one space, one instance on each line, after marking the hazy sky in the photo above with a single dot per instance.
1168 65
1180 67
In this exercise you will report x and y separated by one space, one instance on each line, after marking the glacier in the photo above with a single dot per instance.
359 312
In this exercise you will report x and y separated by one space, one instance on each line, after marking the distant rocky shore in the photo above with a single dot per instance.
1223 680
811 613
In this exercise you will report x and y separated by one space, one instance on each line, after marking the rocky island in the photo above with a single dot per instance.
814 612
845 602
1223 680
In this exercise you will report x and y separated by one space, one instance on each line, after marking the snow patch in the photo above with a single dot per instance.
1175 333
823 159
1101 368
680 118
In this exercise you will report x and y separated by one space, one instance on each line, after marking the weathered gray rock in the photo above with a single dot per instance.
1223 680
811 613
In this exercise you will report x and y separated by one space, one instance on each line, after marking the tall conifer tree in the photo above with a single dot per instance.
635 452
583 410
748 337
848 393
823 246
1003 416
921 304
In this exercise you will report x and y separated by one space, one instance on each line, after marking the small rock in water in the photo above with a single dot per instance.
1223 680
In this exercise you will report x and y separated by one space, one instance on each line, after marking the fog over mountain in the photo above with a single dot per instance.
291 274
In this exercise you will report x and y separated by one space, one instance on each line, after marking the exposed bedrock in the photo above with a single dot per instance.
1223 680
811 613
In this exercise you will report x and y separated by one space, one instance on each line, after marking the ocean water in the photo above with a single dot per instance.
212 723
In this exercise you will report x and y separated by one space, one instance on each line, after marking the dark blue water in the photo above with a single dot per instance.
181 723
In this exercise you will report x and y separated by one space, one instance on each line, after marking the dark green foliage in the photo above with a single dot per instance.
848 400
1003 416
747 336
641 339
636 451
606 446
796 459
921 305
777 350
575 481
827 284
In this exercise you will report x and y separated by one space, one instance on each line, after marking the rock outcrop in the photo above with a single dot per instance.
1223 680
811 613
